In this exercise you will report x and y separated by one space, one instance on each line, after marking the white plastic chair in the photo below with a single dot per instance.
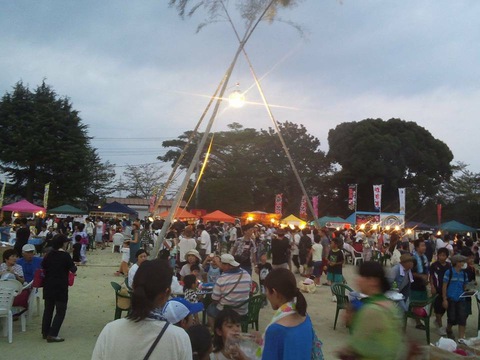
357 257
8 290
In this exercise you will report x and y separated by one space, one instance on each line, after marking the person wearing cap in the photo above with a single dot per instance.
401 278
454 284
180 312
134 336
232 288
29 262
244 249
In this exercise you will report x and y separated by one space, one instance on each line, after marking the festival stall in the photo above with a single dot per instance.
292 221
69 210
24 206
374 220
454 227
181 214
260 217
115 210
218 215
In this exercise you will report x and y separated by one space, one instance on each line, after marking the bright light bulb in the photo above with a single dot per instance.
397 227
387 227
250 218
362 227
236 99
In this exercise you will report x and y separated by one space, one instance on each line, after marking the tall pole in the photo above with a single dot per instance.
181 191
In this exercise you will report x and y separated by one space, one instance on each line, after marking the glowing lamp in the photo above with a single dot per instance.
439 233
301 226
272 220
387 227
250 218
397 227
409 231
362 227
468 234
16 214
338 228
236 99
292 226
375 227
150 219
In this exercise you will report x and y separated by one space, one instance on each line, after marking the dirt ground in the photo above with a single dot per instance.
92 303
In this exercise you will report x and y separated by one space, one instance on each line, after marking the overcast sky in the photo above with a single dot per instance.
139 74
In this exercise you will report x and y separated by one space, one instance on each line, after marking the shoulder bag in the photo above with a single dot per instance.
156 342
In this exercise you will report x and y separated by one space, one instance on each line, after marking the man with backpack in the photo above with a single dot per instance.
454 284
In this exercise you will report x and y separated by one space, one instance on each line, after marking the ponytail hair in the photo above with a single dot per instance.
284 282
151 279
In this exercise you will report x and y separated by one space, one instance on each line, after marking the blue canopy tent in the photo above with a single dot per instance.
115 209
419 226
456 227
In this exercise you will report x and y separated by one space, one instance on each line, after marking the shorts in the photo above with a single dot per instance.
317 268
456 314
335 278
438 306
212 310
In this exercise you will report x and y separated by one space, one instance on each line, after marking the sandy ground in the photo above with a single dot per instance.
91 306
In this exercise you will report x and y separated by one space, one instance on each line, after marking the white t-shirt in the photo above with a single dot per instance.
126 339
205 242
131 273
317 251
296 241
185 245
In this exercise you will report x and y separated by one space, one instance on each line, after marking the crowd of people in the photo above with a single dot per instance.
166 295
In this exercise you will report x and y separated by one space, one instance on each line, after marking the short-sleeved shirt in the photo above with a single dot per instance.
16 269
29 268
457 283
317 252
335 256
437 272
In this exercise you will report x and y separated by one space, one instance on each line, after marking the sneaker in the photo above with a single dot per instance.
462 341
442 331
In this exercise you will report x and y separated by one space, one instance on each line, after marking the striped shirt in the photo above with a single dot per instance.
222 290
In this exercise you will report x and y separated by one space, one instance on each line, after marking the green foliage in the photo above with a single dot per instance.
394 153
246 168
43 140
461 196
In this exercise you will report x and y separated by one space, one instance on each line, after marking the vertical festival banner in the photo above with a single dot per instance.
352 197
377 197
315 205
278 204
401 198
439 214
2 194
45 195
303 208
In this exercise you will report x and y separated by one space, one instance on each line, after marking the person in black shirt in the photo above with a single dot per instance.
56 265
437 271
280 250
304 247
23 233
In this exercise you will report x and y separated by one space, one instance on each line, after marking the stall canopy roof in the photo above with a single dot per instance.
418 225
292 219
23 206
67 209
116 207
218 215
455 226
179 214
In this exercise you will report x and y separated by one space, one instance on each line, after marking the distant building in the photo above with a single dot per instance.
142 205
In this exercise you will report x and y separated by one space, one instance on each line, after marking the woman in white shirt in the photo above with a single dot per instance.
186 243
135 336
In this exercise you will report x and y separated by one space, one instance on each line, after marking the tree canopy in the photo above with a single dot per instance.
394 153
246 167
44 141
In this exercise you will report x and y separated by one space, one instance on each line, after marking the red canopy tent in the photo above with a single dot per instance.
180 214
218 215
23 206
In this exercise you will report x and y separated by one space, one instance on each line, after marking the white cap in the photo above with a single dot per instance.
229 259
28 248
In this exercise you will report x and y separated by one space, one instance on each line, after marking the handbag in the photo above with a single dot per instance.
38 278
156 342
71 278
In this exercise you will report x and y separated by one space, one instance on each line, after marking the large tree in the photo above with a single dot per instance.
460 196
140 181
394 153
44 141
246 168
